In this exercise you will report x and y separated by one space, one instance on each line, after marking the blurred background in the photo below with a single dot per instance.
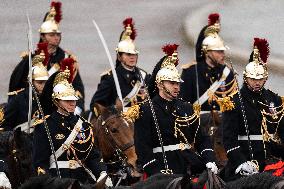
157 22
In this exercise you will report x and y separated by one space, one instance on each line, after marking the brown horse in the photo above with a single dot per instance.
115 138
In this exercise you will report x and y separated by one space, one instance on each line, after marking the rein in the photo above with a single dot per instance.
118 149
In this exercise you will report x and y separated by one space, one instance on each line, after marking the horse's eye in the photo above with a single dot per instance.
114 130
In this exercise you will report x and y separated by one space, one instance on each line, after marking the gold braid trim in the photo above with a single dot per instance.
15 92
186 121
1 115
224 98
282 98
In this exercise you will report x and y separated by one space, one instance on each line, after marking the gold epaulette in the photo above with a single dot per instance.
15 92
24 54
40 171
282 98
39 121
107 72
188 65
132 113
71 55
79 94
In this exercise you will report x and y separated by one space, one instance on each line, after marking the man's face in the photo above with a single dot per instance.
39 84
66 105
53 39
255 84
216 57
169 89
128 60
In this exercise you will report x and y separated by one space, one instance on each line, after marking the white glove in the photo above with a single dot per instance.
4 181
247 168
108 182
212 166
78 110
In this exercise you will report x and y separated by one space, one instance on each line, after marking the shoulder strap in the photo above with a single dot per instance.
66 145
213 87
132 93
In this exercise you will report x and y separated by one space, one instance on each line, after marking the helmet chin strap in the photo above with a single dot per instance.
251 88
62 108
214 62
168 92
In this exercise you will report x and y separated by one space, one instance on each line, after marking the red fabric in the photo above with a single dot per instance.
195 180
278 168
145 176
278 172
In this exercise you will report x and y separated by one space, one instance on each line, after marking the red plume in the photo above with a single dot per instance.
129 21
170 49
213 18
43 47
57 6
263 47
68 63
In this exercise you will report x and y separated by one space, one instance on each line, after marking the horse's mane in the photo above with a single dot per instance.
256 181
4 141
158 181
113 110
18 162
47 182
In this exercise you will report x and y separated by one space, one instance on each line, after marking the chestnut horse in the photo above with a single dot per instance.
114 134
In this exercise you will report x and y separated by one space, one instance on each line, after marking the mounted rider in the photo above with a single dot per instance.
130 77
254 128
51 34
209 81
167 135
72 136
16 111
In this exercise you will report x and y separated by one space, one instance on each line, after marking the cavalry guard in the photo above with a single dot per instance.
130 77
50 33
72 137
209 82
16 111
167 135
254 128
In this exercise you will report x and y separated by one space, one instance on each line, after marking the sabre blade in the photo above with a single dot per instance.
117 86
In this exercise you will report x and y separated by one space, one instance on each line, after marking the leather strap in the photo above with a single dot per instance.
66 145
213 87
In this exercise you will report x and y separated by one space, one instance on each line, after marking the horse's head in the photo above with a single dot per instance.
115 136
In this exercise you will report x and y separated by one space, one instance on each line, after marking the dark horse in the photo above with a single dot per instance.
15 151
115 138
207 181
47 182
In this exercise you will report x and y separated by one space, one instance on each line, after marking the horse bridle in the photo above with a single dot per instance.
119 149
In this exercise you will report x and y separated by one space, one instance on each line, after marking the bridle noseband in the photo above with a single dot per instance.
105 125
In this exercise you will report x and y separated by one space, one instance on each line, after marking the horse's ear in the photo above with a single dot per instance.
99 109
118 105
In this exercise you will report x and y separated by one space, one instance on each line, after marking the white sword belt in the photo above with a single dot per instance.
173 147
252 137
71 164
